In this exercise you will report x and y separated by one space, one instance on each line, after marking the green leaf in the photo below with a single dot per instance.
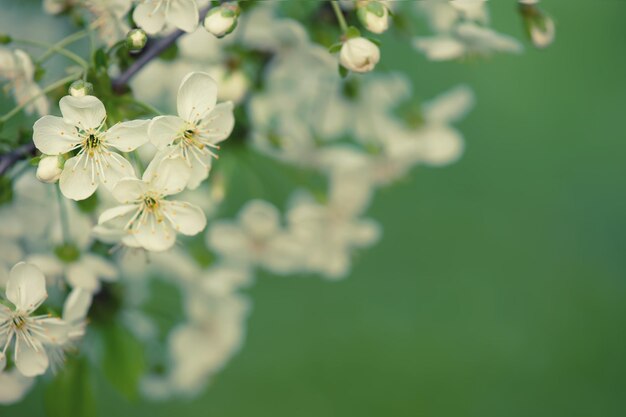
100 59
343 71
333 49
376 8
374 41
71 392
123 360
88 205
352 32
170 54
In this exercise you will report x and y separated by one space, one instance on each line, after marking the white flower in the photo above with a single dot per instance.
437 143
256 239
109 18
222 20
82 128
153 15
17 68
48 169
331 231
26 290
467 39
146 217
359 55
374 15
198 128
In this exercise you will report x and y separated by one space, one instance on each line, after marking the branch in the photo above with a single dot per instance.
152 51
9 159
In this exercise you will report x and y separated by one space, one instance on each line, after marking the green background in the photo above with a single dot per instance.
498 288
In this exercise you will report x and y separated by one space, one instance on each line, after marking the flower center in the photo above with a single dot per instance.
19 321
150 202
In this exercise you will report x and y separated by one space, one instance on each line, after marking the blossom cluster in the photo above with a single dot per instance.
119 198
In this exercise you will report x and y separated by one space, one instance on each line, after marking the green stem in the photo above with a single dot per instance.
62 44
65 225
339 14
59 50
46 90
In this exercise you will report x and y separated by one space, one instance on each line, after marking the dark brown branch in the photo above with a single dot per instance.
152 51
9 159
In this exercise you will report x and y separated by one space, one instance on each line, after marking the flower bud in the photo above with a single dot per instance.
359 55
48 169
374 15
539 27
222 20
80 88
136 39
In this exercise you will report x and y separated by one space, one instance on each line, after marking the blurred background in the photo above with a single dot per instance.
498 288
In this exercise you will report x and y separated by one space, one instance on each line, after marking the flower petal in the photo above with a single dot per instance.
79 275
26 287
184 15
78 181
197 96
153 235
28 360
167 176
164 129
129 190
219 123
76 305
114 168
128 136
186 218
148 19
53 136
86 112
116 212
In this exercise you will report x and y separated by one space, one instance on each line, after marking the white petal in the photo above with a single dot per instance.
149 20
197 96
227 239
219 123
449 106
53 136
78 181
80 275
199 172
87 112
76 305
183 14
56 331
167 176
440 48
104 269
116 212
115 167
260 218
155 236
128 136
129 190
164 129
186 218
26 288
14 386
30 362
